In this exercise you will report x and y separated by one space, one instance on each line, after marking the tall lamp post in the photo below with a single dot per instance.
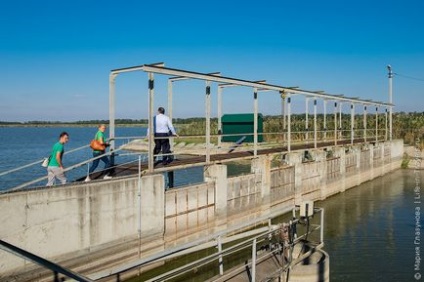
389 68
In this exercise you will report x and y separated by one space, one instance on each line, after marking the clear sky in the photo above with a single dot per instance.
56 55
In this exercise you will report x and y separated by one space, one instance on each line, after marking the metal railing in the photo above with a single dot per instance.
252 240
55 268
36 182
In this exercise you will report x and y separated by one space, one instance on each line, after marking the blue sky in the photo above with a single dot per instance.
56 55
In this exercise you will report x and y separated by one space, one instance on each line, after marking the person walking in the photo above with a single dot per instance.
163 128
55 168
100 137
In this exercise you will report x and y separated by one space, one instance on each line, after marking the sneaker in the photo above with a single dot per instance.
87 179
107 177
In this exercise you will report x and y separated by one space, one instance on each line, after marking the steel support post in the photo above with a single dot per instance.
352 123
208 121
315 123
340 121
289 123
391 102
365 123
255 121
112 79
151 129
335 123
325 119
306 118
170 110
219 111
386 126
376 124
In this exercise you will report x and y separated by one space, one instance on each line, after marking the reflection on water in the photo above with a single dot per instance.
369 230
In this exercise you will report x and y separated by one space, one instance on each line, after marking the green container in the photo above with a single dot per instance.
240 124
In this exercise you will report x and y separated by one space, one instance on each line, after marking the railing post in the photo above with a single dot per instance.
253 261
220 261
321 233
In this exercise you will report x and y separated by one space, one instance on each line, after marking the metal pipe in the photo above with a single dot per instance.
335 123
208 121
322 226
289 123
365 123
151 116
220 261
385 134
170 110
306 118
219 111
352 123
315 123
260 85
255 121
325 118
139 196
340 120
391 102
376 124
253 278
112 79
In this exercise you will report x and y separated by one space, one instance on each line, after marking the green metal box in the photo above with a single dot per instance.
240 124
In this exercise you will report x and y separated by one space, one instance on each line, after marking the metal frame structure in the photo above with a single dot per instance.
179 74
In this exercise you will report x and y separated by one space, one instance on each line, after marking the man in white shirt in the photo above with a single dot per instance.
163 128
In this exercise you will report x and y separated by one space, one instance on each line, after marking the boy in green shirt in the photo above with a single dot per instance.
55 166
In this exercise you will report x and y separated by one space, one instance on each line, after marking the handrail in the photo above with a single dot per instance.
43 262
172 252
65 170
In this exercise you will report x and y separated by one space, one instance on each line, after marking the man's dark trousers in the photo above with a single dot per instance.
162 144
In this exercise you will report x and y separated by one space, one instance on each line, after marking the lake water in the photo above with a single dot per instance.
20 146
369 230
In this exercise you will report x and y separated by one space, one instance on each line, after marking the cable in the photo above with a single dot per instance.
410 77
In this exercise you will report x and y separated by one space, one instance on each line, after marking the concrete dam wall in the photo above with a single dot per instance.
92 226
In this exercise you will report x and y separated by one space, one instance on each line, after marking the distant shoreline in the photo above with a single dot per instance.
69 125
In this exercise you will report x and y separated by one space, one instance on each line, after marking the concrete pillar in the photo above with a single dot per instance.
357 150
152 204
340 152
320 157
261 167
218 174
371 148
295 159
